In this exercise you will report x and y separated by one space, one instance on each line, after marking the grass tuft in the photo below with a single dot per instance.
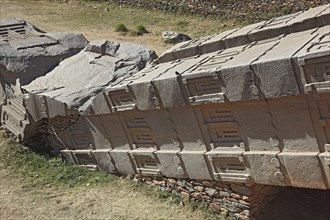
121 28
141 29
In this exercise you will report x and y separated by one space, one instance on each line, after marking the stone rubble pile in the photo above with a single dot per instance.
228 9
230 199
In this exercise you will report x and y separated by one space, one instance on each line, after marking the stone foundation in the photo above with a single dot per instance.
229 199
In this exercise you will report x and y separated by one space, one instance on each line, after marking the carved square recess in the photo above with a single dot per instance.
147 164
222 127
228 165
121 100
13 32
140 131
80 135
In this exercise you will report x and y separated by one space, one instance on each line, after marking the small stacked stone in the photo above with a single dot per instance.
230 199
229 9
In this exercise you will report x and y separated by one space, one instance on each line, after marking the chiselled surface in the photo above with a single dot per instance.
27 53
246 106
254 109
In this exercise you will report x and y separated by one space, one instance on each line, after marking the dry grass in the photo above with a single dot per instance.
33 188
98 20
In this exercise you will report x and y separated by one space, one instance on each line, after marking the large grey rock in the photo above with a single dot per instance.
78 79
27 53
173 37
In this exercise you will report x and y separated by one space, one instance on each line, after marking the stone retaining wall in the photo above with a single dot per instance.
229 199
228 9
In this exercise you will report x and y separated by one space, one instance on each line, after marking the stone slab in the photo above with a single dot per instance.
195 164
304 169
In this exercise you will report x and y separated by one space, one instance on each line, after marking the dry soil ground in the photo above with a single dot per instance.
98 20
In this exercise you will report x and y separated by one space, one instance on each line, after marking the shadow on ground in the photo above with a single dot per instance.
298 204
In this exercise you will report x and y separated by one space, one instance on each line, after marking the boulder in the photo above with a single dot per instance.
173 37
26 52
78 79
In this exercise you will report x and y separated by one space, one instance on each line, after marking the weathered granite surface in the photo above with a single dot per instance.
27 52
78 79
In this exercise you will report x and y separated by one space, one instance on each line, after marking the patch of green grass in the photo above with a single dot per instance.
285 10
134 33
182 23
121 28
141 29
42 170
38 171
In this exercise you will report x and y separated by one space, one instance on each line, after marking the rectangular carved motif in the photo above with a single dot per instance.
224 136
230 168
121 100
204 90
146 164
222 127
80 135
140 131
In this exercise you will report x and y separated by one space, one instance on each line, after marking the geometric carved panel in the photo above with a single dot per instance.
139 131
222 127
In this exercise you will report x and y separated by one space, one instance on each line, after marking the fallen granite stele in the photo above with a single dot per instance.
242 111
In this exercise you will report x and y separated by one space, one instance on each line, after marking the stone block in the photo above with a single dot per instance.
195 164
187 128
97 134
256 126
169 83
162 129
84 158
273 28
265 168
113 131
101 105
68 156
122 161
203 87
77 136
274 69
293 124
325 162
241 36
104 161
171 164
304 169
146 162
56 108
215 43
228 166
309 19
219 127
313 60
